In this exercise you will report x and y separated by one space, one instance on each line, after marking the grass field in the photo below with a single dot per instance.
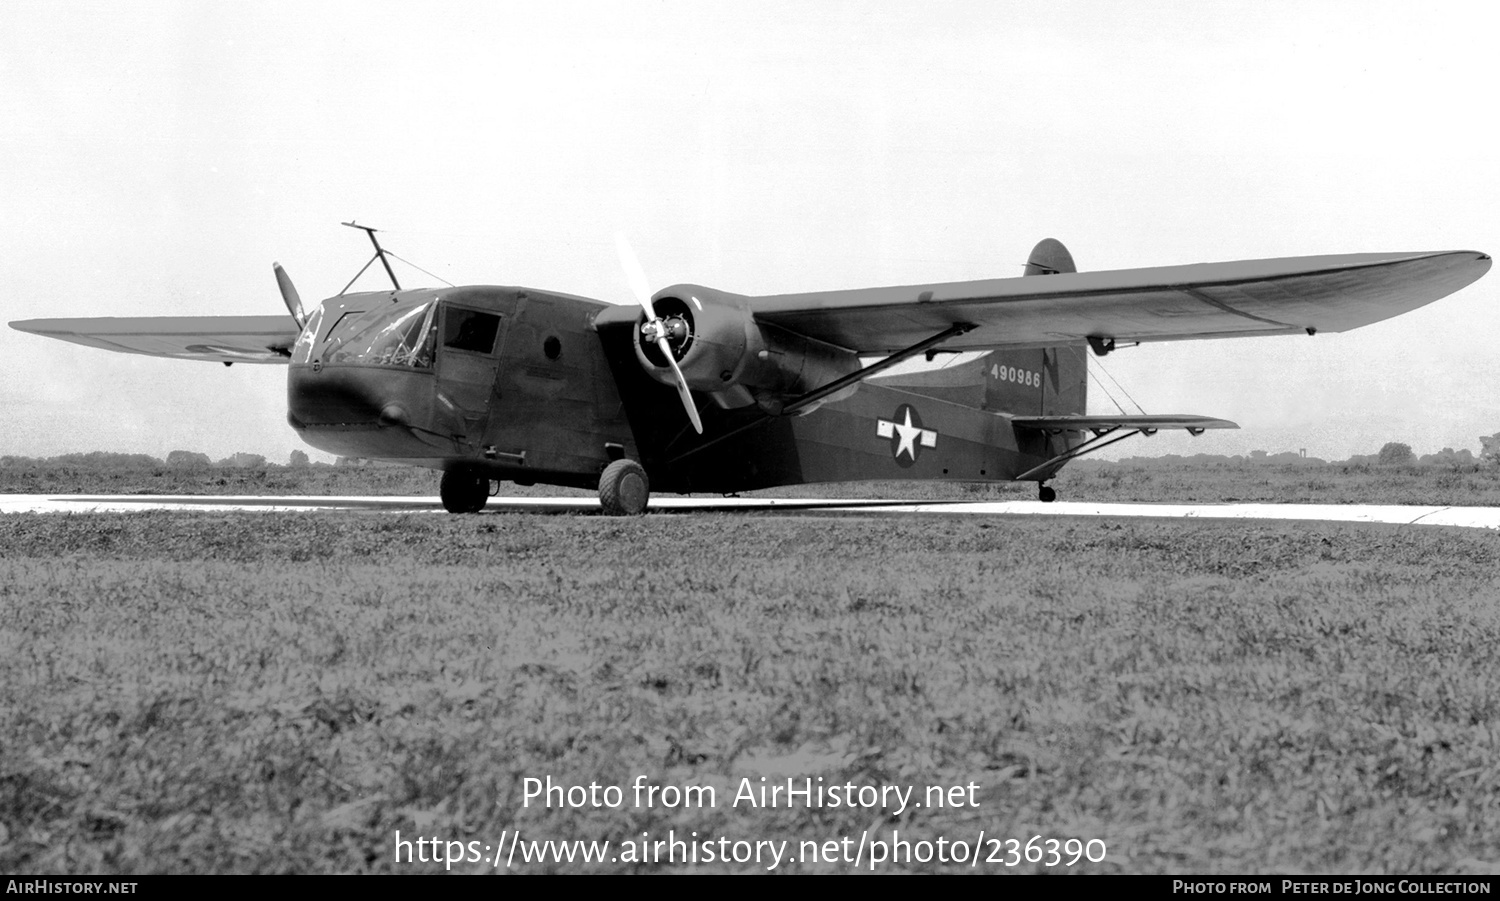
252 692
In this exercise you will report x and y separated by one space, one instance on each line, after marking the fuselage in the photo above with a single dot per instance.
531 386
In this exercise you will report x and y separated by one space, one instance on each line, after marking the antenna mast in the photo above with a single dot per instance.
379 255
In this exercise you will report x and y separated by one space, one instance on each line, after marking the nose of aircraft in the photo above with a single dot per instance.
337 408
332 396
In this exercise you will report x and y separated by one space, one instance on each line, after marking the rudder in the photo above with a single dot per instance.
1039 381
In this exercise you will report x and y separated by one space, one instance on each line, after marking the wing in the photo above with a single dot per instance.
223 339
1205 300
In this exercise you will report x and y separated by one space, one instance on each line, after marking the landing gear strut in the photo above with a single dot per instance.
624 488
1044 494
463 491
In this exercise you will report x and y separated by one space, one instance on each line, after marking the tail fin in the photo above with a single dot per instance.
1049 257
1041 381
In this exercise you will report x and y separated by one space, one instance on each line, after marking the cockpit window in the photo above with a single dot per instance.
405 340
470 330
343 325
302 350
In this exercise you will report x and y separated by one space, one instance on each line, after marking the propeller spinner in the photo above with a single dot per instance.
657 330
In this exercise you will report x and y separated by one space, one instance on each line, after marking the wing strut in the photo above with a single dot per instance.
837 385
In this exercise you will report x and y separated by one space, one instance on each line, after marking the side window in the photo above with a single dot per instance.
470 330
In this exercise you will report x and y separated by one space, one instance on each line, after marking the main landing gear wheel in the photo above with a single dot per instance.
624 488
1045 495
464 492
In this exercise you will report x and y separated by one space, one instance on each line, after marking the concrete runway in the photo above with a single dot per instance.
1468 517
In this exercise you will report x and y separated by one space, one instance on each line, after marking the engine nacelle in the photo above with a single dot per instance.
725 353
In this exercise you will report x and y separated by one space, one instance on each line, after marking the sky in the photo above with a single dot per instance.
156 158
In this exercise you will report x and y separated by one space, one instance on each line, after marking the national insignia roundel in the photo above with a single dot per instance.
906 435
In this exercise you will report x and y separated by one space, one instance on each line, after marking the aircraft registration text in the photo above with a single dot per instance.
1012 374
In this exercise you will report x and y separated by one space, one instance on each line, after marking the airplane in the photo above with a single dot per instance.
696 389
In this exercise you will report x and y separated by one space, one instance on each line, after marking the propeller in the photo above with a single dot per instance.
289 295
655 330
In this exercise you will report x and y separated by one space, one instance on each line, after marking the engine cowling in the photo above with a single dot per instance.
724 352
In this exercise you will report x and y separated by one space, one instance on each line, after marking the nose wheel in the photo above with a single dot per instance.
463 492
624 488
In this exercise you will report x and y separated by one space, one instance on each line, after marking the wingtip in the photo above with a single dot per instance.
1478 264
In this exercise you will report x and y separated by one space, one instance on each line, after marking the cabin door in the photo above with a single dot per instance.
467 357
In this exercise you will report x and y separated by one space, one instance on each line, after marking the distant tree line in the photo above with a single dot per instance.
177 459
1393 453
1489 448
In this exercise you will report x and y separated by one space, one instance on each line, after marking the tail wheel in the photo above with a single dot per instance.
624 488
463 491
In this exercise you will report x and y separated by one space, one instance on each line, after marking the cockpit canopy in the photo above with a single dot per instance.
403 338
372 330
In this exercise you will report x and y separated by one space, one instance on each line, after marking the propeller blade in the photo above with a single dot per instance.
634 274
289 295
641 288
682 385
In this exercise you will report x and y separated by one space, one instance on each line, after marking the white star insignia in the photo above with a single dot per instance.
907 434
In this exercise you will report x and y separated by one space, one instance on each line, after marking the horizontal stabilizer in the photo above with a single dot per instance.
222 339
1101 423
